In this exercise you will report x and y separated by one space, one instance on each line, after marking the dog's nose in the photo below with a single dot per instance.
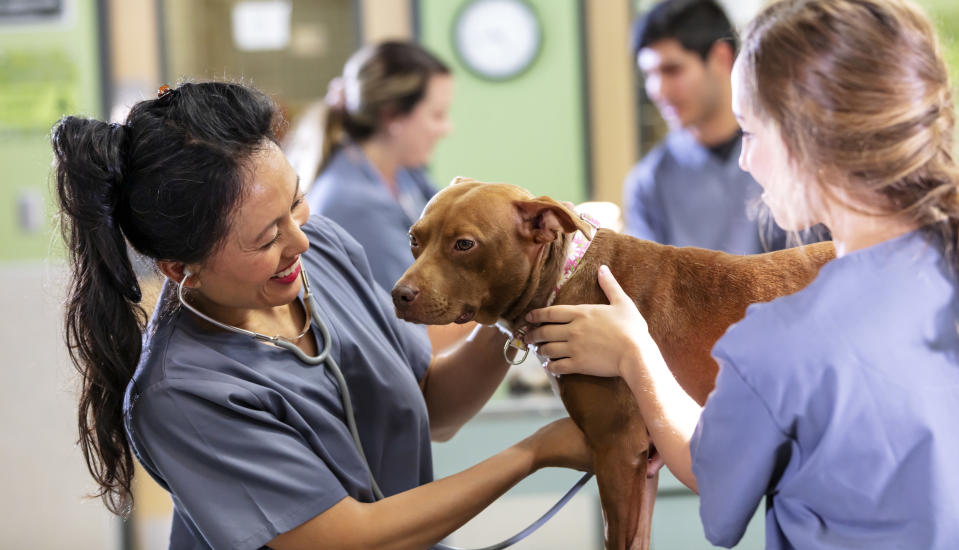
404 295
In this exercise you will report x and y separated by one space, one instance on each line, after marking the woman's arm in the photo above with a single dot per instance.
614 340
670 413
458 383
421 517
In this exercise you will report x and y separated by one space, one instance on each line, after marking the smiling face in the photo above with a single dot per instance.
418 131
788 191
257 265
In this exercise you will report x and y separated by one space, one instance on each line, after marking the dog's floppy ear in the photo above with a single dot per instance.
543 219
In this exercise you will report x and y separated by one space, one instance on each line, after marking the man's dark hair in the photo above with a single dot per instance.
696 24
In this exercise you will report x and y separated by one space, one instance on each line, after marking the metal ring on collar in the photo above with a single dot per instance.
514 361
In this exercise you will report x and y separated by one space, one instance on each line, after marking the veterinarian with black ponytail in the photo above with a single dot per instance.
288 440
836 405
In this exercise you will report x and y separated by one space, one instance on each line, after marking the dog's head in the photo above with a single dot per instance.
475 248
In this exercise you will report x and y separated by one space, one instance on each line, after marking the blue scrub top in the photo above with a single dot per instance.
250 441
352 193
838 406
682 194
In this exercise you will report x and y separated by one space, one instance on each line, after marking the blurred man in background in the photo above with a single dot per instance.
689 189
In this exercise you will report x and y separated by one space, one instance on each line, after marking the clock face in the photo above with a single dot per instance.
497 39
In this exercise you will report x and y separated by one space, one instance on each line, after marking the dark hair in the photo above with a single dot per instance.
166 182
696 24
384 79
860 88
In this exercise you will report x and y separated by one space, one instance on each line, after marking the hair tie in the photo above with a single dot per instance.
115 165
336 94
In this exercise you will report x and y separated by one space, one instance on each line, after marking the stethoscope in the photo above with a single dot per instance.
323 356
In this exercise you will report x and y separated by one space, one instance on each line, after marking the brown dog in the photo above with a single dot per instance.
486 252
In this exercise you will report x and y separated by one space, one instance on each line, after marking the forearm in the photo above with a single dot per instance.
670 413
422 516
459 383
417 518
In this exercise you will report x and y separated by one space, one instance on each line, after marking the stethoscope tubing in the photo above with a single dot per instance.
320 358
536 524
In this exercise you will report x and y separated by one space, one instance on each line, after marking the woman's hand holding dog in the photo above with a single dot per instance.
614 340
594 339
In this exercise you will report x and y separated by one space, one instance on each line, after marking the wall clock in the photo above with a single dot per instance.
497 39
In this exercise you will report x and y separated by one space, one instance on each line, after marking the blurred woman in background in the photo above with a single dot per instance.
383 118
385 115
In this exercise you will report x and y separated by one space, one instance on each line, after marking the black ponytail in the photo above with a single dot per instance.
166 183
104 321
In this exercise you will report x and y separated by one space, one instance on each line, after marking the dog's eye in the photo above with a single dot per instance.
413 242
463 245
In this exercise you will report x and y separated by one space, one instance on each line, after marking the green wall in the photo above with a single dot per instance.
945 15
528 131
47 69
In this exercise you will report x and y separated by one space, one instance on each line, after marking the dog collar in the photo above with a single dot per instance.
574 255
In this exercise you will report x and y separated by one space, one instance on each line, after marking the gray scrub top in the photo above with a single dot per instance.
250 441
352 193
681 194
838 405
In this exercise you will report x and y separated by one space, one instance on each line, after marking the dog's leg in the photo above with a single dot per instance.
644 528
621 477
605 410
